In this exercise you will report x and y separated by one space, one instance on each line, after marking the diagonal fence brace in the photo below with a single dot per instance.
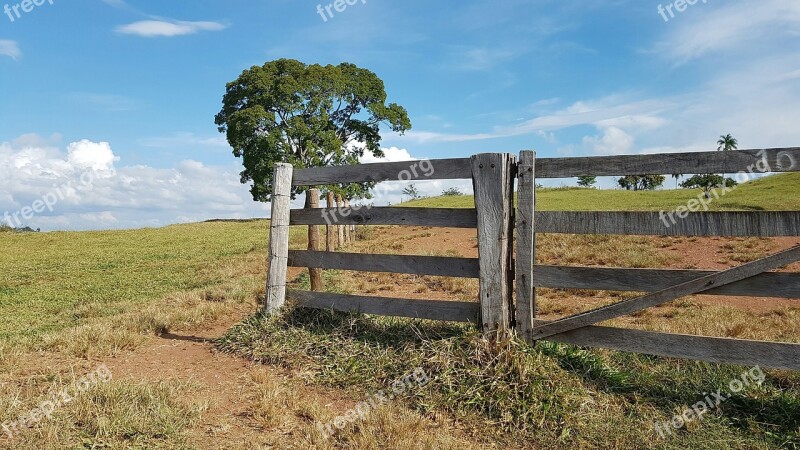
693 287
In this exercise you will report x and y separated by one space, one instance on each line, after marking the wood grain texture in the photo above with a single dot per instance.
332 238
669 294
493 181
396 307
437 169
340 226
770 284
314 244
526 243
760 161
717 350
347 238
741 224
415 265
429 217
279 238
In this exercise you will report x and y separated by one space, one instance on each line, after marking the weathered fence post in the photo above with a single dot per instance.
526 243
330 228
279 237
315 275
340 228
493 181
347 238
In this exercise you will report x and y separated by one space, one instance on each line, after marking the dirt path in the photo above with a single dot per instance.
225 382
230 389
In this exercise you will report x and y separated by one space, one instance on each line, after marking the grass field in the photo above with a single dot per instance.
73 300
772 193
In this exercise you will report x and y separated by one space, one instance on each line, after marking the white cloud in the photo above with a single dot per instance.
609 110
96 156
392 154
92 191
614 141
740 26
162 28
10 49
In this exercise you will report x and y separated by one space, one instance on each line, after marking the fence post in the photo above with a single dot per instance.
330 229
340 228
279 237
315 275
526 243
347 227
493 182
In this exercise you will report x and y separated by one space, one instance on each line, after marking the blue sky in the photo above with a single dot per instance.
129 89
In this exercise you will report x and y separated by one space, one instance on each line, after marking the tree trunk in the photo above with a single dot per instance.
312 201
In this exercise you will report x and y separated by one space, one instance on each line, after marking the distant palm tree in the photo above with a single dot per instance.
727 143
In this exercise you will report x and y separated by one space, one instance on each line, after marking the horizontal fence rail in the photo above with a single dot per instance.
719 350
415 265
429 217
435 169
712 223
757 161
384 306
769 284
738 224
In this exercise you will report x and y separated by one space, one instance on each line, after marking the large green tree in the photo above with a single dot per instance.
308 116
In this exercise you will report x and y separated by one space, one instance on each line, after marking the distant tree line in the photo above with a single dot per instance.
5 228
707 182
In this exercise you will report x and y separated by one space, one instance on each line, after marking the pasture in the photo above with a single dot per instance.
145 302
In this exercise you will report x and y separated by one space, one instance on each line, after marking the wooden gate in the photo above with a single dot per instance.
495 218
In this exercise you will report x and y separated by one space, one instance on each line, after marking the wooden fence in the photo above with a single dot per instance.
498 270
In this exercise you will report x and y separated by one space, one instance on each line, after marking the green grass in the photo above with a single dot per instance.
58 281
549 395
47 277
772 193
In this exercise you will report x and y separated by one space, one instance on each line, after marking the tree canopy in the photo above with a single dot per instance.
307 116
727 143
641 182
708 182
587 181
